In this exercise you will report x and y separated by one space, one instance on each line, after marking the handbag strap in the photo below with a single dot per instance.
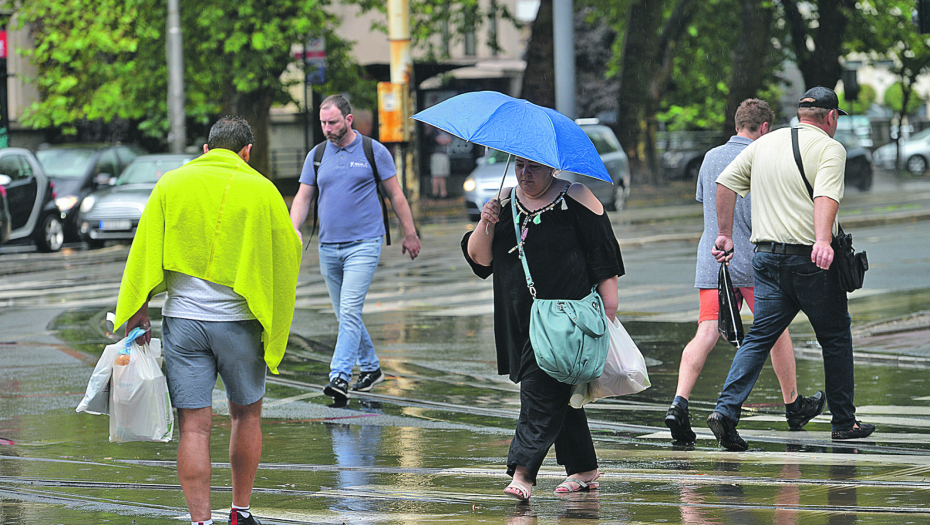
797 160
520 253
796 148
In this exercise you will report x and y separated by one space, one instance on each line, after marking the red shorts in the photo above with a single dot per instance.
710 304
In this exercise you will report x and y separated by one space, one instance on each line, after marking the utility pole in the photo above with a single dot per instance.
563 36
177 136
395 101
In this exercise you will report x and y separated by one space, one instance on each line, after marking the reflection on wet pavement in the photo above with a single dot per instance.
429 443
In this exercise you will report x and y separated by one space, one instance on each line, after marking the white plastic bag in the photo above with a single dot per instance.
140 408
97 396
624 371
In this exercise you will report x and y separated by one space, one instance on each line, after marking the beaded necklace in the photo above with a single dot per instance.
534 216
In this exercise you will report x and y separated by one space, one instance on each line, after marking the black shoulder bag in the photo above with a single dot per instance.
851 266
370 155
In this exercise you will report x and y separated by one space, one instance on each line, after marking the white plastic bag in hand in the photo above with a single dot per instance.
97 396
140 408
624 371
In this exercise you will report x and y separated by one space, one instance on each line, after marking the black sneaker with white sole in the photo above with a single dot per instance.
338 389
366 380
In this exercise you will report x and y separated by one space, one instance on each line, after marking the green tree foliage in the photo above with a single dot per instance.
867 97
105 60
894 99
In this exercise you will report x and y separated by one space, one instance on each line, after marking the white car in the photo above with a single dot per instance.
485 180
915 151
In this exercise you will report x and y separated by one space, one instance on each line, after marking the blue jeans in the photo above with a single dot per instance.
348 268
785 285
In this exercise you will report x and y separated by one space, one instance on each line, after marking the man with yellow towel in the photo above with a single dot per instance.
217 237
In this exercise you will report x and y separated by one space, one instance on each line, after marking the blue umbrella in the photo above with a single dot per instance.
520 128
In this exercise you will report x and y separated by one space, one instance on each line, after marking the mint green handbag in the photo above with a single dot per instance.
569 337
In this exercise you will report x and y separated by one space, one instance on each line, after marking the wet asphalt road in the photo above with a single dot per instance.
429 444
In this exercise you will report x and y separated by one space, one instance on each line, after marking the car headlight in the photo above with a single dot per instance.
469 184
66 203
88 203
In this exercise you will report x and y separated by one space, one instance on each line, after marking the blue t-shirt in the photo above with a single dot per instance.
741 265
348 205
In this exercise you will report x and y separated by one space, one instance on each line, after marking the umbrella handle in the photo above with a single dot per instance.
499 190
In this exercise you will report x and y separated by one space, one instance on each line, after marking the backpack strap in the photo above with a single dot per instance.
370 155
317 159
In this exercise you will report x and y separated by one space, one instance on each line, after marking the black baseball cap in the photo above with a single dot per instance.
821 97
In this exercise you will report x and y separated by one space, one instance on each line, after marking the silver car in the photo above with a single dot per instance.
483 183
915 151
113 213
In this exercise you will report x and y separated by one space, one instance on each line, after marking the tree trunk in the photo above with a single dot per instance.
255 107
637 70
539 78
749 59
819 66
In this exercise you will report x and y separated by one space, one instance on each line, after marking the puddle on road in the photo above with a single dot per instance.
328 470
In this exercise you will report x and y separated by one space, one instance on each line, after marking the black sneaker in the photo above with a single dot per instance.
236 519
366 380
859 430
724 430
809 408
677 421
338 389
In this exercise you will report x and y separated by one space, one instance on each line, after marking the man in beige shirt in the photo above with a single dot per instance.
792 231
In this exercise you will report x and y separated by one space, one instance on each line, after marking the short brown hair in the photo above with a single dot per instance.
752 113
340 102
818 115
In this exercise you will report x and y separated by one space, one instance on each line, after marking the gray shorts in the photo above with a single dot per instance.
196 350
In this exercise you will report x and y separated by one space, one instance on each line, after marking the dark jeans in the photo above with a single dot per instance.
547 419
785 285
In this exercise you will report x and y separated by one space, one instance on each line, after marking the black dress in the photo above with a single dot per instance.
568 251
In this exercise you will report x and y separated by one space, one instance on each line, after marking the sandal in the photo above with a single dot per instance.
582 486
516 490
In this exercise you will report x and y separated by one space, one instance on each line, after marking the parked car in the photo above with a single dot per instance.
28 196
113 212
484 181
915 151
683 164
858 161
78 169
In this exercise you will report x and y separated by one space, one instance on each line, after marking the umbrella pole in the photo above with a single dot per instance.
499 190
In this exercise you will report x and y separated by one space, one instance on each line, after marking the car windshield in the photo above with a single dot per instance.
66 163
494 156
604 142
148 171
919 135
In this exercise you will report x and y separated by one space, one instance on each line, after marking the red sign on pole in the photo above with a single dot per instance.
2 44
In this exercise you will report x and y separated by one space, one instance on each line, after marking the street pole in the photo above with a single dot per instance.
177 136
563 35
402 75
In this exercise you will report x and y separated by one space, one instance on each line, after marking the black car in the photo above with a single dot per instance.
30 199
858 161
78 169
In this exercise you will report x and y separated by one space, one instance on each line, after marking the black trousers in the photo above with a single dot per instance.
547 419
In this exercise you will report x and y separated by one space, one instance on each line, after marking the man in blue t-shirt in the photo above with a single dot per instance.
351 228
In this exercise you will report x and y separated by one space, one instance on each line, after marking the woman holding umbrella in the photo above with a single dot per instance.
569 246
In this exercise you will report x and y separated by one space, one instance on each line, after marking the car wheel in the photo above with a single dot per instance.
917 165
94 243
51 236
865 182
619 200
693 168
